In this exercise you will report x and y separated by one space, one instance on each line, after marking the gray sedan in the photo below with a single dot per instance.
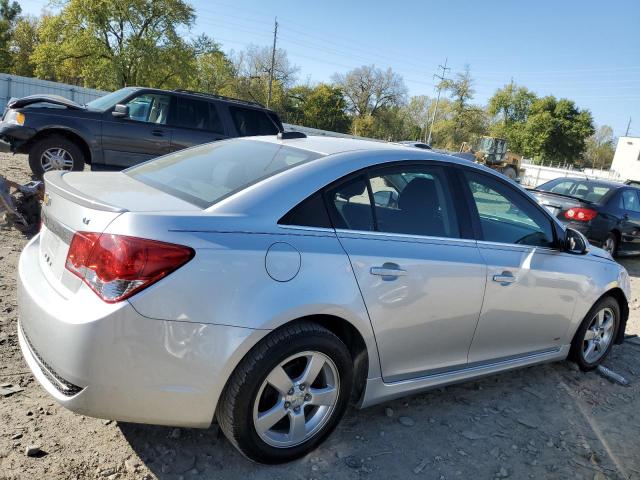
267 282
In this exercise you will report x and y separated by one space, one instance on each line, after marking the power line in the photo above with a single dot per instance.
442 78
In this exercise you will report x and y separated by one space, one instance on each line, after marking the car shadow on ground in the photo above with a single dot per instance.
548 421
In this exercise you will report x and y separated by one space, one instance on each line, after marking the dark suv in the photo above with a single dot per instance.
125 127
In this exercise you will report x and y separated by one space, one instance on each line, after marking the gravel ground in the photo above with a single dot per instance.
549 421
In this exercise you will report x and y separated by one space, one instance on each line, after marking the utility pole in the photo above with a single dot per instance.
273 61
442 78
628 125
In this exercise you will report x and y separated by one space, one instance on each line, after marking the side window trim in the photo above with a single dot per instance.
475 215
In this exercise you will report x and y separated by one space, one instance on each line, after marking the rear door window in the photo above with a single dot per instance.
409 200
629 201
350 205
414 201
198 114
249 122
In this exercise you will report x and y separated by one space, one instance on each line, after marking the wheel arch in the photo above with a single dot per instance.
353 339
622 300
343 329
66 133
618 295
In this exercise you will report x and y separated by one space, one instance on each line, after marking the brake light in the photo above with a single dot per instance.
580 214
117 266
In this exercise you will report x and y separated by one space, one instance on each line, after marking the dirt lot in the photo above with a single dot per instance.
549 421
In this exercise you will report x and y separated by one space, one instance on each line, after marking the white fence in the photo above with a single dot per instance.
15 86
538 174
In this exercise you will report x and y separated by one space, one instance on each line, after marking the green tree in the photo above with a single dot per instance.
510 107
368 89
23 43
213 71
111 44
556 130
252 67
463 120
322 107
600 148
418 112
9 14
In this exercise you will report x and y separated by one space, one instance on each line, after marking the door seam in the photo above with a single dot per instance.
355 278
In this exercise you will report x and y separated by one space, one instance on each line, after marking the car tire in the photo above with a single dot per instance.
595 334
55 152
610 244
510 172
250 395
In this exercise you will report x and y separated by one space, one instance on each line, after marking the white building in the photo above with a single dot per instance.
626 160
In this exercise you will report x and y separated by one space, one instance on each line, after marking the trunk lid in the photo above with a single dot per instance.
557 204
86 201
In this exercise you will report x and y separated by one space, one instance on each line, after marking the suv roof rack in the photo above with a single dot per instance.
219 97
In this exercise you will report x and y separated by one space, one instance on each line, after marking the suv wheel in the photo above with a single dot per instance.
55 153
594 339
287 394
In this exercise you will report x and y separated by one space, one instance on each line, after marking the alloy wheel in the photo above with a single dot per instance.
599 335
296 399
56 159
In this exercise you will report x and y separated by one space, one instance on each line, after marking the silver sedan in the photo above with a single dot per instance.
267 282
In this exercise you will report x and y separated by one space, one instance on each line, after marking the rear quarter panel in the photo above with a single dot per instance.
227 282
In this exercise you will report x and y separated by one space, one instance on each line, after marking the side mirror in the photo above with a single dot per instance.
575 242
120 111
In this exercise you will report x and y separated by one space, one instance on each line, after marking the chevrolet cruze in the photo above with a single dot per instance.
267 282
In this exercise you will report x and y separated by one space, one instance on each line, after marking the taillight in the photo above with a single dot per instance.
117 266
581 214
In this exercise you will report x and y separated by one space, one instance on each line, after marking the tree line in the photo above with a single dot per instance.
109 45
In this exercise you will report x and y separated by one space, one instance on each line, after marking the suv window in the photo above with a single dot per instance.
629 201
249 121
198 114
149 107
506 216
414 201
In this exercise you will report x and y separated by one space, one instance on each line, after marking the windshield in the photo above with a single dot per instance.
485 144
205 174
110 99
579 188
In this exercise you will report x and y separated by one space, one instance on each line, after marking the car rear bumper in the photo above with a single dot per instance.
108 361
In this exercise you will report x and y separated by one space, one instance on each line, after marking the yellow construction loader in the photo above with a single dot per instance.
493 153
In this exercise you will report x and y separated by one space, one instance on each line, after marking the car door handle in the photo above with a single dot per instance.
504 278
157 133
388 270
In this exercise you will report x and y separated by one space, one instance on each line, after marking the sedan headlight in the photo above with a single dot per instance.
14 117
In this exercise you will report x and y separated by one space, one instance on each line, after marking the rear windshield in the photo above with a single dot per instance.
582 189
205 174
